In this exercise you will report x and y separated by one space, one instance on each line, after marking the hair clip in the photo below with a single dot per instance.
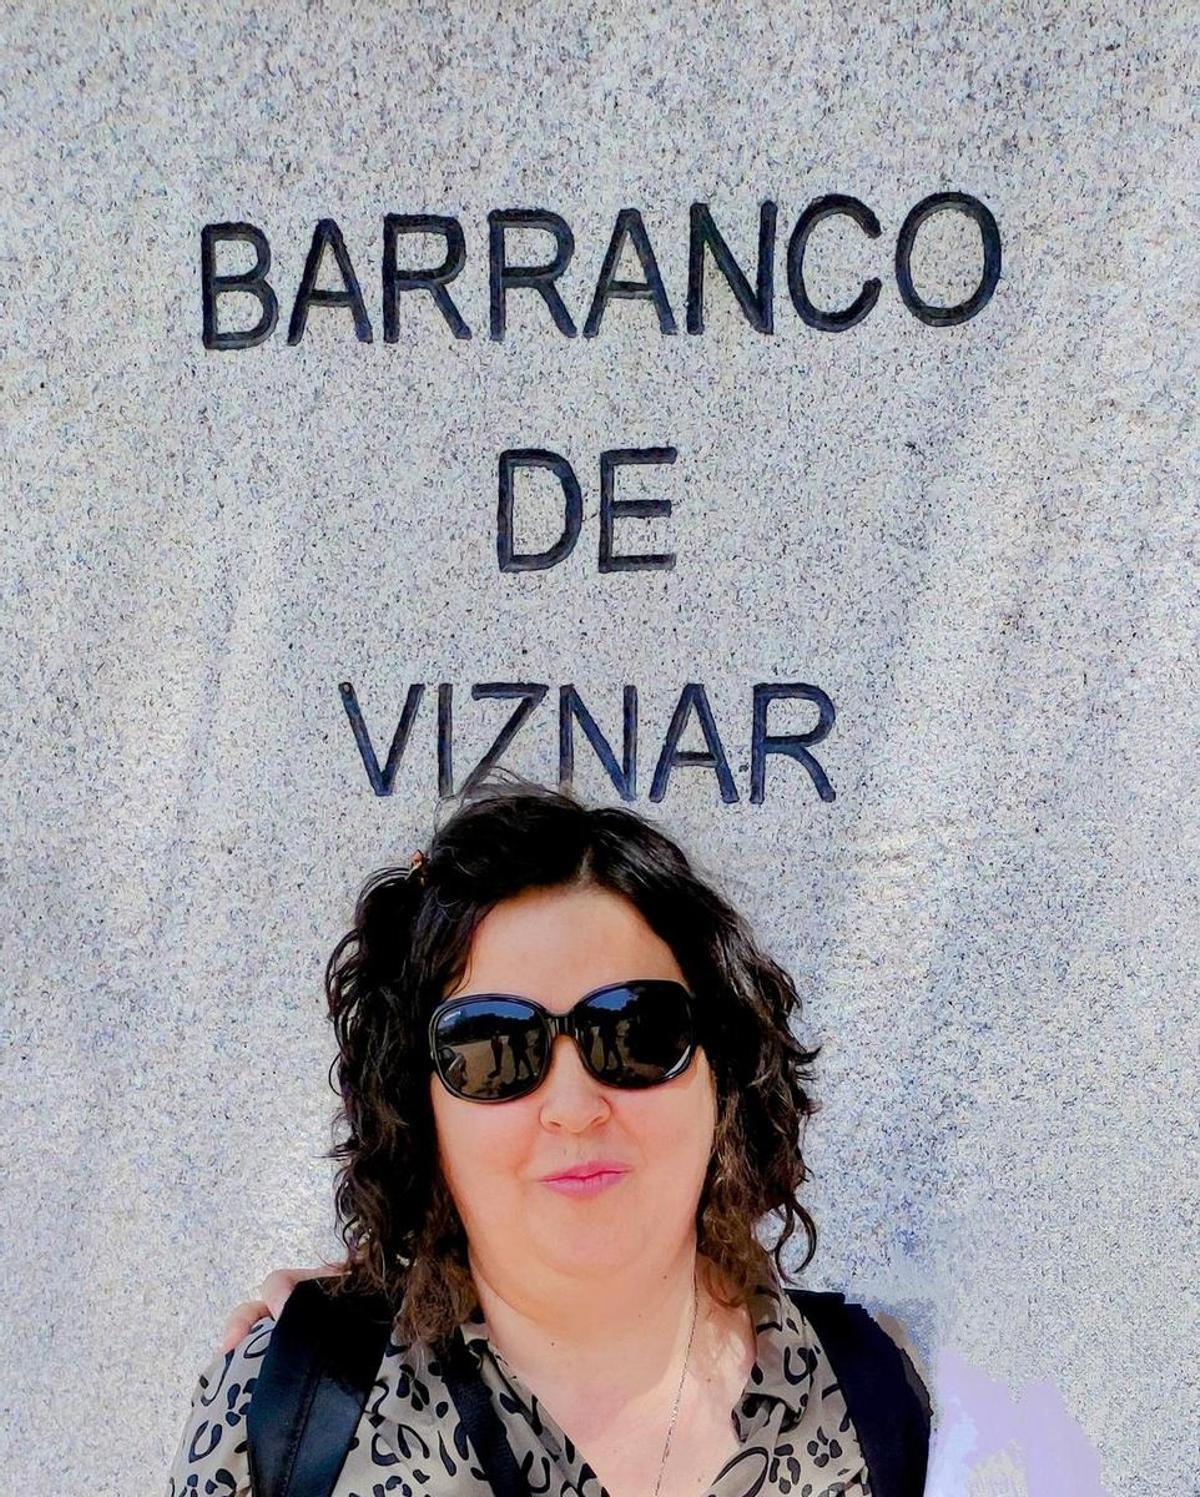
417 865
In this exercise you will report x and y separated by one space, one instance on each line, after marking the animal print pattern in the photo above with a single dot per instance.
796 1436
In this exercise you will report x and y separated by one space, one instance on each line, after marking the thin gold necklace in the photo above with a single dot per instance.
679 1391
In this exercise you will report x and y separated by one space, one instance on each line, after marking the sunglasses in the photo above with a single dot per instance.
494 1047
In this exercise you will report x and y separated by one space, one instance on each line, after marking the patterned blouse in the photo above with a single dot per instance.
795 1434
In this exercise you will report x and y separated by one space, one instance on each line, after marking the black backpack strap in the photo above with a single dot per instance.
885 1397
480 1420
320 1365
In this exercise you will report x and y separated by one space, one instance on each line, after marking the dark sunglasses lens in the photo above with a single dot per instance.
490 1049
637 1034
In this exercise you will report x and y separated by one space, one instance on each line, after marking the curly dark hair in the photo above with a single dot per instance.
408 948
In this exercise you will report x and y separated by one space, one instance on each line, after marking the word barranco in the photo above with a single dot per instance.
755 297
693 703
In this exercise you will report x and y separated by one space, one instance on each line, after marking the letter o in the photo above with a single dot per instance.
990 233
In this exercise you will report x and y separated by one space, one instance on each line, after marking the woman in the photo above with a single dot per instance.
576 1206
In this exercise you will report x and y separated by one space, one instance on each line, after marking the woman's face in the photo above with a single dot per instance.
554 945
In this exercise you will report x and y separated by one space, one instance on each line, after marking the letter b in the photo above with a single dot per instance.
253 281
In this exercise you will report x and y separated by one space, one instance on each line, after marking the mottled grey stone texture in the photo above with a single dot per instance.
980 541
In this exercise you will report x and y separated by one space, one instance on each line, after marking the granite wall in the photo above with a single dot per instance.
968 535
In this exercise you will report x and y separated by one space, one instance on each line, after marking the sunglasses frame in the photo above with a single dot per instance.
555 1024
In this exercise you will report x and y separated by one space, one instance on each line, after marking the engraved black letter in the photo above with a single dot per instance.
533 561
570 705
989 233
530 692
629 222
759 309
433 281
253 281
663 561
693 695
763 743
829 322
328 233
381 780
502 276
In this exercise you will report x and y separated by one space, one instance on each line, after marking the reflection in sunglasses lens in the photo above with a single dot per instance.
491 1050
629 1035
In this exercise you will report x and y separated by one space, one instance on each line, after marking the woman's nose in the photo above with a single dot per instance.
570 1096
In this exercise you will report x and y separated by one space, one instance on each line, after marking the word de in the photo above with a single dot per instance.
571 710
705 240
611 509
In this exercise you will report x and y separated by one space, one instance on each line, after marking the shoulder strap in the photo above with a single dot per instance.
480 1420
320 1366
325 1351
311 1389
886 1399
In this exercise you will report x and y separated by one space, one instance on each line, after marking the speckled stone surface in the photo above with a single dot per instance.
979 540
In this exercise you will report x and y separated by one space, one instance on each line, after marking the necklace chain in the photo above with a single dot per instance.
679 1391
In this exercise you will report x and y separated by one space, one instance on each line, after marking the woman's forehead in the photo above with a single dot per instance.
561 942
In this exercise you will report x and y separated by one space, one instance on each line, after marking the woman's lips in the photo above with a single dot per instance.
585 1185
